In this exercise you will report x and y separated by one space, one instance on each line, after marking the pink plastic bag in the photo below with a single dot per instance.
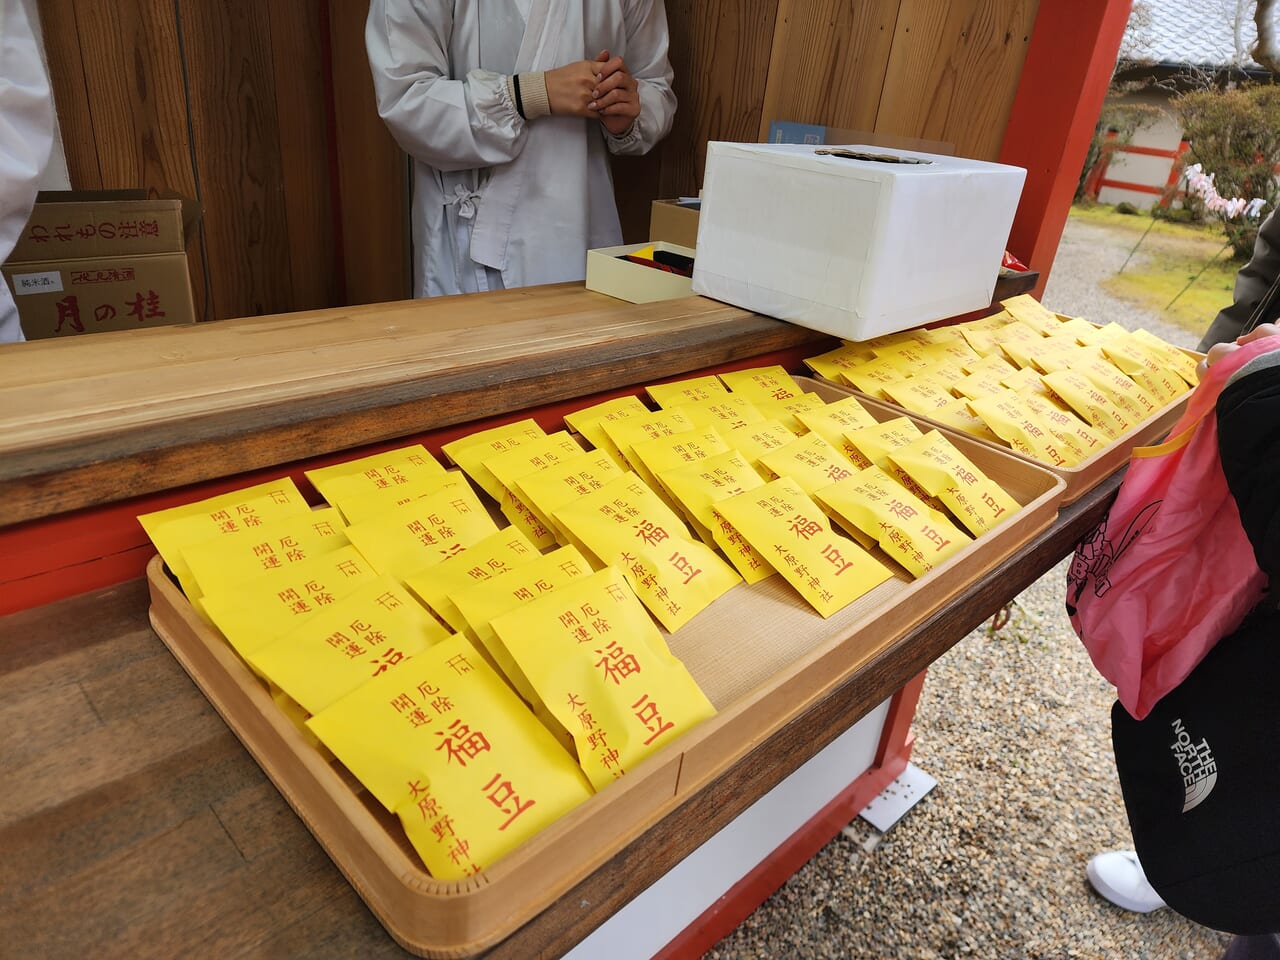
1169 571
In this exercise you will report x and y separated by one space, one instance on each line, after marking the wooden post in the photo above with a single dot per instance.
1064 81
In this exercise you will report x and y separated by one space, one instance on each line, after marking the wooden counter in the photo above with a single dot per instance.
134 822
96 430
92 420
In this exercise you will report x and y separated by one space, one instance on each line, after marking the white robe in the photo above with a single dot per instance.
496 197
26 136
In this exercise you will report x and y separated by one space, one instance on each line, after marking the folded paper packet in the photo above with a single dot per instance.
446 745
600 666
785 525
173 529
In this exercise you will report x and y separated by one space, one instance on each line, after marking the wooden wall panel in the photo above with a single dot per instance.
372 170
116 73
236 136
719 53
829 61
298 52
954 70
133 74
265 112
67 78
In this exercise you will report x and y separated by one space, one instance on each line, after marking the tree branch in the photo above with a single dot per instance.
1264 51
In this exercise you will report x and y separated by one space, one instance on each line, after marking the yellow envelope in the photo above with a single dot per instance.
834 362
602 669
627 524
993 363
470 452
1011 418
481 562
783 524
376 628
445 744
546 491
720 413
1086 399
872 445
959 416
175 528
381 481
756 439
763 383
1027 309
980 383
1176 360
222 562
510 465
832 420
922 395
907 529
683 391
1066 426
478 603
652 457
423 532
700 486
1084 331
1119 386
625 433
386 466
1140 360
970 495
873 376
255 612
589 421
787 412
360 506
810 461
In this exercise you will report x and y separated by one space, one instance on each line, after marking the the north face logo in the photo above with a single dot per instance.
1196 764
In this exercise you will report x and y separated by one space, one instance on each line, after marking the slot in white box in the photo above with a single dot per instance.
852 247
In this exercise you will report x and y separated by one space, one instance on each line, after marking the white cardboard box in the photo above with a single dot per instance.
852 247
632 281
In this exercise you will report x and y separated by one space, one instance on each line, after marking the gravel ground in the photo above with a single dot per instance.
1014 724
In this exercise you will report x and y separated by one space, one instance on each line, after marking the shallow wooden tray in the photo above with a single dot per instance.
760 653
1078 479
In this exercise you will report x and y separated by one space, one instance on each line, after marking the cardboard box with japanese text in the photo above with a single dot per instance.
107 260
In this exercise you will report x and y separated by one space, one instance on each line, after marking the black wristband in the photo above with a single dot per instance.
515 82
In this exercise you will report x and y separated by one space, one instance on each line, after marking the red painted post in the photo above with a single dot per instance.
1093 182
1175 175
1064 81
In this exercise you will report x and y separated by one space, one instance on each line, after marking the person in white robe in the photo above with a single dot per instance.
26 137
509 109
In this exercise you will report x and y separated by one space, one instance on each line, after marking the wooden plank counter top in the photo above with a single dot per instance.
134 824
92 420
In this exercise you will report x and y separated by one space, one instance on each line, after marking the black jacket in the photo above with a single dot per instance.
1248 413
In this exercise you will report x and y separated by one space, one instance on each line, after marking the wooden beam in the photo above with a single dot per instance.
1064 81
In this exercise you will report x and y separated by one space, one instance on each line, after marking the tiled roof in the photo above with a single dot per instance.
1196 32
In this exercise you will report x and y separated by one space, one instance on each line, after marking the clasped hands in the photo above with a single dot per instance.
602 89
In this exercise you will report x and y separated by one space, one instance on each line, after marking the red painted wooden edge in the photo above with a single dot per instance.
61 556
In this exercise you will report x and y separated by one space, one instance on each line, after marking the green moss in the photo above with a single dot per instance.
1167 258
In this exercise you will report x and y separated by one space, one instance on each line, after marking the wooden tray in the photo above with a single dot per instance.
1079 479
760 653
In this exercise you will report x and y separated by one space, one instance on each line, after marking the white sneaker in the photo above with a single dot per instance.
1118 877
